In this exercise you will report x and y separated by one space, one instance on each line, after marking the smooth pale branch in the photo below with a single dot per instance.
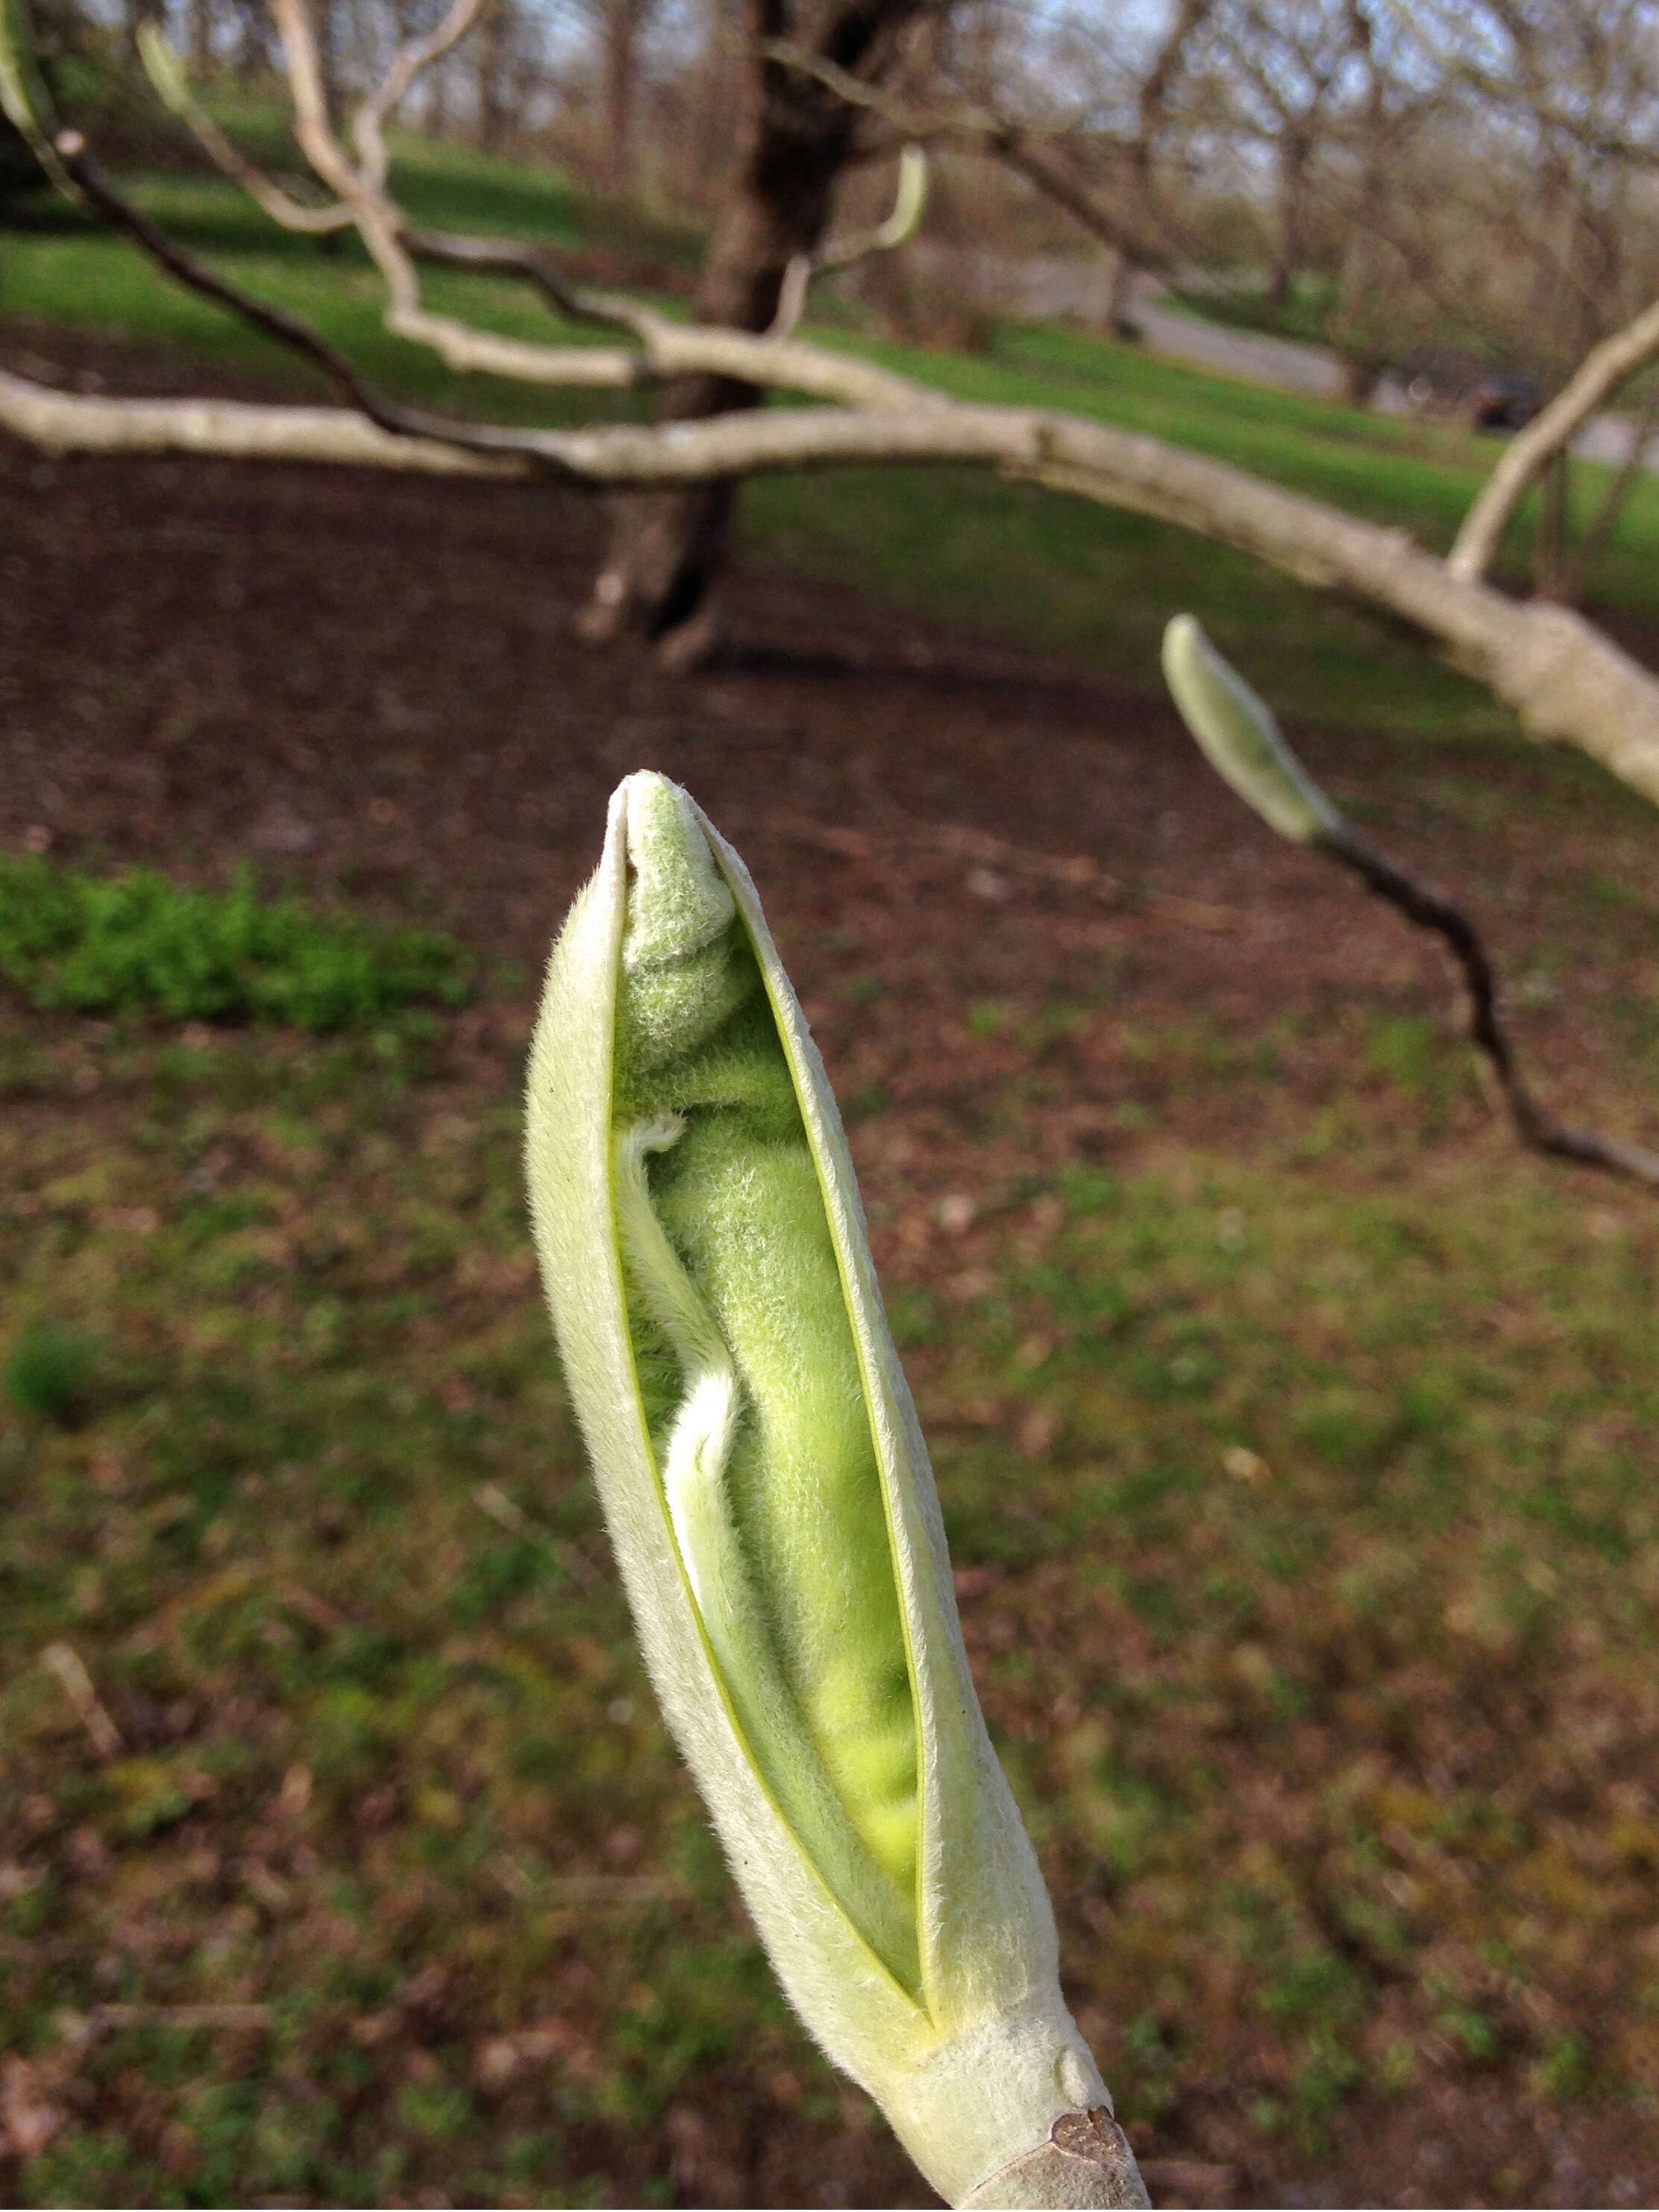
770 1499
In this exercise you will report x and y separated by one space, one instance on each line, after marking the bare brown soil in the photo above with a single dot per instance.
368 688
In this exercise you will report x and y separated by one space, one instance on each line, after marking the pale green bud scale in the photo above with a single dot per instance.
768 1493
1240 736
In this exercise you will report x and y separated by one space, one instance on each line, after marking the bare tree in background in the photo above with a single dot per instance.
826 83
1288 64
619 30
492 57
1141 106
794 137
1390 102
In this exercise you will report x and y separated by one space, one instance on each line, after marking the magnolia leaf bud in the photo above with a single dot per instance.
1241 738
774 1515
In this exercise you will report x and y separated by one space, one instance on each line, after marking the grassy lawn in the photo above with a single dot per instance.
1319 1608
1090 583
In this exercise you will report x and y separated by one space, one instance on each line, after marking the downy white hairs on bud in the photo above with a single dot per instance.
771 1509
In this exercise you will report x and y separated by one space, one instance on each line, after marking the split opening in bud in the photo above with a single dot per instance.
750 1378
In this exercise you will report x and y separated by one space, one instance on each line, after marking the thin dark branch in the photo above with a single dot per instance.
503 257
1035 155
1430 910
286 330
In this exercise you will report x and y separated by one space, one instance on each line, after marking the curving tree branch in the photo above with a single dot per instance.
1551 431
286 330
1565 680
662 349
230 430
666 349
909 199
168 79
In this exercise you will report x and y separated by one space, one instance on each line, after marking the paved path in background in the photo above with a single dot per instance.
1288 366
1046 284
1284 363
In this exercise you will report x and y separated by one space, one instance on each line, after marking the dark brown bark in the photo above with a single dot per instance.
795 136
491 43
624 21
253 56
1550 557
1294 155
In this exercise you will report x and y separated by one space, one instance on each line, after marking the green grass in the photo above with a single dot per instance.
49 1372
138 944
1094 584
1325 1542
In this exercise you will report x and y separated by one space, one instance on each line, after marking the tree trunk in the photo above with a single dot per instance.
1549 556
1287 239
492 38
666 551
1120 298
621 64
253 39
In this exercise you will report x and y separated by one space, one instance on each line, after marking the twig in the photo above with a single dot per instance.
167 78
64 1661
1239 735
1030 154
411 60
667 348
506 256
910 198
1430 910
1596 377
275 322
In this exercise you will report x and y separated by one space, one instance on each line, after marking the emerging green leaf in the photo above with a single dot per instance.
24 98
165 69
